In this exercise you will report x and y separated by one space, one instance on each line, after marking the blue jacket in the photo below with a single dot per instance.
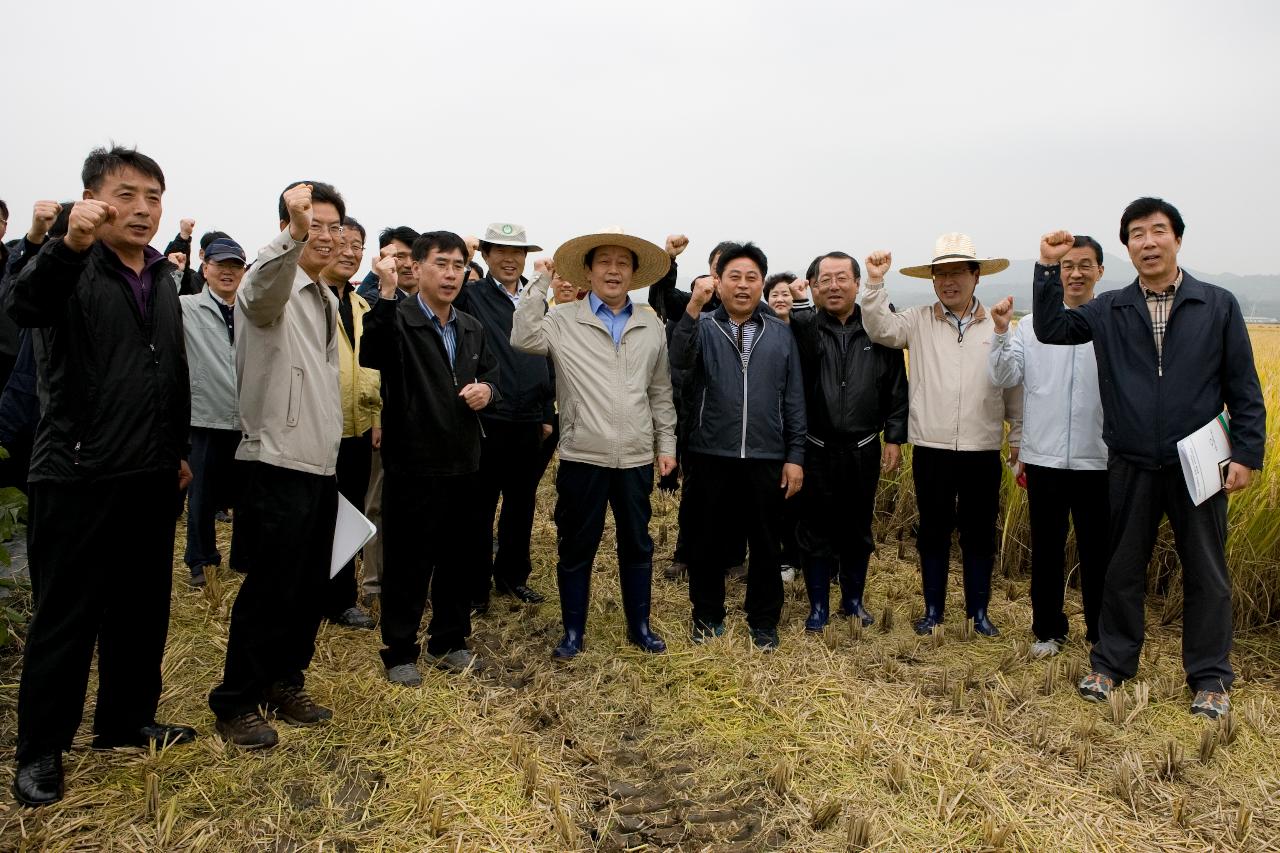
1208 364
756 412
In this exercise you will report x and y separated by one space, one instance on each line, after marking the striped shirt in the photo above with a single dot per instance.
448 331
744 335
1161 307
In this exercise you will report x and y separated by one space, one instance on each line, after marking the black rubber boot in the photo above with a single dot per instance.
636 596
817 580
933 577
575 592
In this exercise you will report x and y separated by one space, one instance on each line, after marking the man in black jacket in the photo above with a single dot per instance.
854 390
511 457
109 457
1172 353
746 440
438 372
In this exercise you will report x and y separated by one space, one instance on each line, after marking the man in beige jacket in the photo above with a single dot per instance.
291 419
955 421
613 390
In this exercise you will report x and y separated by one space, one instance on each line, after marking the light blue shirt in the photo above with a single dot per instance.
615 323
448 330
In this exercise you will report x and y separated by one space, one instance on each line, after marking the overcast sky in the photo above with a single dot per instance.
803 126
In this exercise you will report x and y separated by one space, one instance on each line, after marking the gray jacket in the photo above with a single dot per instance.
211 361
287 364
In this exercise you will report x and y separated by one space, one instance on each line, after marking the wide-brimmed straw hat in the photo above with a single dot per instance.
508 234
652 261
956 248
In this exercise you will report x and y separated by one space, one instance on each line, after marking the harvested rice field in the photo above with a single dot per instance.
852 740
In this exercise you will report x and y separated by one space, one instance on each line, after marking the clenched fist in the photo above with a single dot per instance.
476 395
676 243
297 200
704 288
878 264
43 214
545 265
179 260
1001 313
385 269
1054 245
186 226
86 217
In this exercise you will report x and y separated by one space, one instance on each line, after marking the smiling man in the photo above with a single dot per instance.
955 421
613 387
1173 352
440 372
746 447
511 457
109 458
291 424
208 324
1062 452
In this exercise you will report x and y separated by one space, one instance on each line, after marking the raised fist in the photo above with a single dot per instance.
676 243
86 217
703 289
185 227
545 265
179 260
297 200
43 214
878 264
385 269
1054 245
1001 313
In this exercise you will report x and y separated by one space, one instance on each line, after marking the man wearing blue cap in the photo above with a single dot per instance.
208 323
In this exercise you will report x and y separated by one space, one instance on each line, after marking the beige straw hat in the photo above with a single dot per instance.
952 248
652 260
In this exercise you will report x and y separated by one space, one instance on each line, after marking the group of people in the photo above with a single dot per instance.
435 390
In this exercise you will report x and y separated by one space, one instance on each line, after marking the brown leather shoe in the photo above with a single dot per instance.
292 704
248 731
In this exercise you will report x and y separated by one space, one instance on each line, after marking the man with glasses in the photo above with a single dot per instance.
854 391
361 410
208 324
291 420
1062 453
956 419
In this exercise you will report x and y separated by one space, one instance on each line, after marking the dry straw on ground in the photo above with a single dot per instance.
851 740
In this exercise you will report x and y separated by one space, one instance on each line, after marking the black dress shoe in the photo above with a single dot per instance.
522 592
162 733
479 608
39 782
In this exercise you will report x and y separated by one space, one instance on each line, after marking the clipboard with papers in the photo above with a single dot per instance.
1205 455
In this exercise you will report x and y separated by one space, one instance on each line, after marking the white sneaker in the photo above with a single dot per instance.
1046 648
788 574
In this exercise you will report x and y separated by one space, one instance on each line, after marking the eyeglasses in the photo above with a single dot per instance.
841 279
445 265
1085 267
953 275
335 231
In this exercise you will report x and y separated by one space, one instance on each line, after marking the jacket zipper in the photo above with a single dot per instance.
742 450
1071 403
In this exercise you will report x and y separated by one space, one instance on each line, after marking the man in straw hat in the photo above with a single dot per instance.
614 394
511 458
955 418
1172 352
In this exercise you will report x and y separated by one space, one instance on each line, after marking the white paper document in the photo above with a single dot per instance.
350 534
1205 455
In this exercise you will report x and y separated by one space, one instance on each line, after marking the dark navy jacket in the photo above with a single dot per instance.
1208 363
756 412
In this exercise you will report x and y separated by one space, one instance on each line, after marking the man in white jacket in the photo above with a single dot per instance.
1063 454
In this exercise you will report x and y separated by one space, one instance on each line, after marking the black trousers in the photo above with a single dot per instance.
215 475
355 460
511 464
732 500
1139 499
288 519
957 488
839 502
583 493
428 525
1053 495
101 557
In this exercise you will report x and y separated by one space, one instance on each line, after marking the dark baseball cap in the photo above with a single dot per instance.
224 249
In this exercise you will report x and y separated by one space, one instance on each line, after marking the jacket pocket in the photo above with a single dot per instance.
295 396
